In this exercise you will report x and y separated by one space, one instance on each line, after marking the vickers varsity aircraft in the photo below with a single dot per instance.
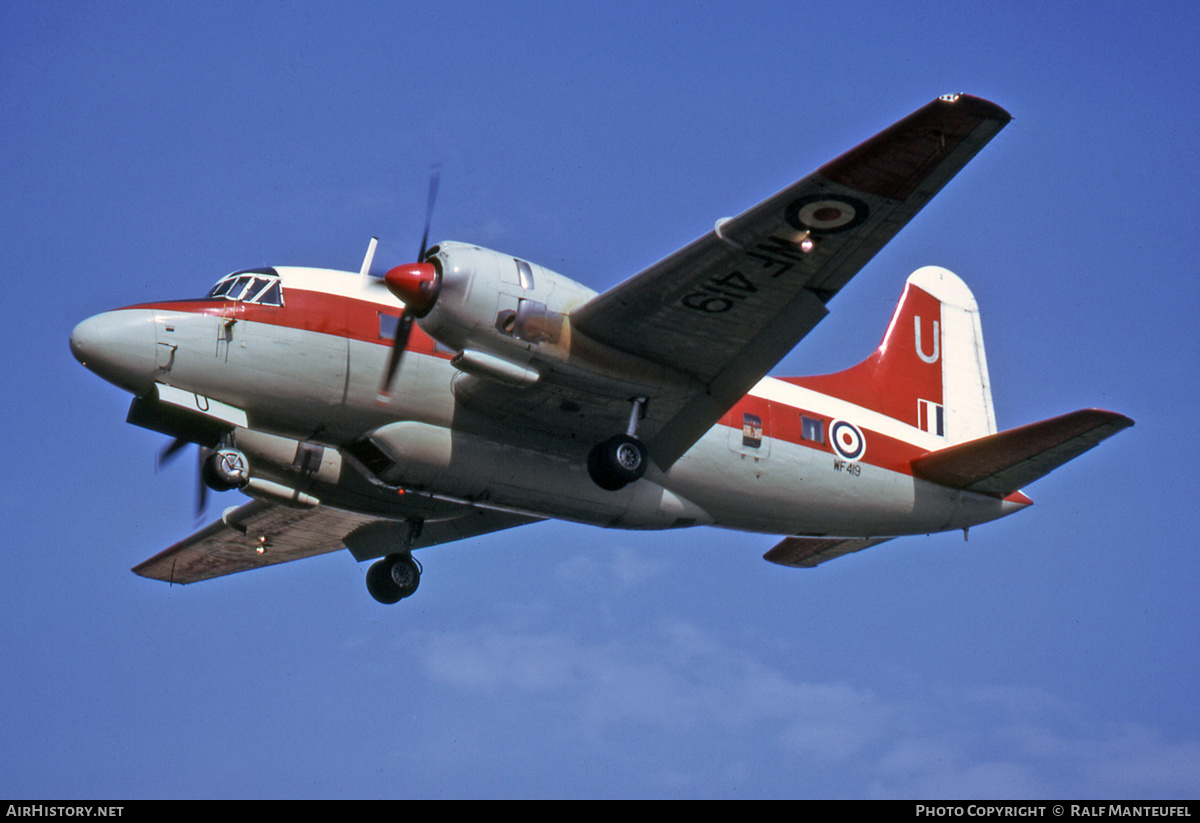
472 391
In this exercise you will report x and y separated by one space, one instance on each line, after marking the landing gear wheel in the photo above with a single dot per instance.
618 461
393 578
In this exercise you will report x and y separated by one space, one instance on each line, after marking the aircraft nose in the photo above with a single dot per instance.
85 339
119 346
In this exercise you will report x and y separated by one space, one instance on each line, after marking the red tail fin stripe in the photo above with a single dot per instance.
905 369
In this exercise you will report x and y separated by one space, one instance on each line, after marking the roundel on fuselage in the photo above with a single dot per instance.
847 440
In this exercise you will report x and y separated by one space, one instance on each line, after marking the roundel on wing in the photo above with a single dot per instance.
847 440
826 213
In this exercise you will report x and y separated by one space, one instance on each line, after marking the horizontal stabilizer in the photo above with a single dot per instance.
1000 464
810 551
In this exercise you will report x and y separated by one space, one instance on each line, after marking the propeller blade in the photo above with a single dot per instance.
403 330
435 177
170 452
201 486
167 453
416 285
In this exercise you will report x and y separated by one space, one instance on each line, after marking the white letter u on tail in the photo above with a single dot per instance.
928 358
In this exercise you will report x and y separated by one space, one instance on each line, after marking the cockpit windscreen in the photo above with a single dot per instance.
259 286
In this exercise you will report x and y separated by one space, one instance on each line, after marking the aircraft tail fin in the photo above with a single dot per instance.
1000 464
930 370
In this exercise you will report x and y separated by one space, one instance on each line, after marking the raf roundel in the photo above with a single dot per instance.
826 214
847 440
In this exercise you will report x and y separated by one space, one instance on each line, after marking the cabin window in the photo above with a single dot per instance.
752 430
812 428
388 323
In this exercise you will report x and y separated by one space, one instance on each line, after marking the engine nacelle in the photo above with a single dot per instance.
273 467
508 321
499 306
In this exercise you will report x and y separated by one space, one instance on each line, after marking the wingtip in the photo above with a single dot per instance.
1112 418
920 148
979 106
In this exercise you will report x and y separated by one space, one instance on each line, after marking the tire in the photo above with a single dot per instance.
617 462
393 578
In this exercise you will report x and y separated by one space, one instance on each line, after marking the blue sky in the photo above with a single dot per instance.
148 150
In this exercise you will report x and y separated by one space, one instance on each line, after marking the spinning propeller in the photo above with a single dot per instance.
169 452
416 284
220 467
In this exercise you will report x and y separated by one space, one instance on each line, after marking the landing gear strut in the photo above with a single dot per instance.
395 577
621 459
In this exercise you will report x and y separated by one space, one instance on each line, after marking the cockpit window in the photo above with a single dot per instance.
272 295
221 288
259 286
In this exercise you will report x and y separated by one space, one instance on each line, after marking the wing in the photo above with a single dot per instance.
806 552
263 533
727 307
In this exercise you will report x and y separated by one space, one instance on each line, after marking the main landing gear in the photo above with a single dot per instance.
395 577
621 459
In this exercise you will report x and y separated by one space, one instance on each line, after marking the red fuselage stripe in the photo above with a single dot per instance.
309 311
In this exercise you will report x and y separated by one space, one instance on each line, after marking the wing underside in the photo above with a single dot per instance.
727 307
264 533
807 552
